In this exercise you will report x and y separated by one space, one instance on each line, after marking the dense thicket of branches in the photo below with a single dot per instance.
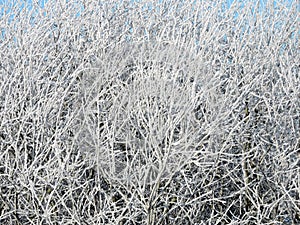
178 112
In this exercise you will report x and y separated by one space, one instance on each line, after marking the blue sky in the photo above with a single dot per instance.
7 5
29 5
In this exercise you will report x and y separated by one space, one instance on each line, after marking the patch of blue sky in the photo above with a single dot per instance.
13 7
78 13
16 6
42 3
148 6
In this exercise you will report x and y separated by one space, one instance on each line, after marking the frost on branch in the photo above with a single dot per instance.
182 112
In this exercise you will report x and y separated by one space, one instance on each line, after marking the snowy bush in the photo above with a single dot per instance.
150 112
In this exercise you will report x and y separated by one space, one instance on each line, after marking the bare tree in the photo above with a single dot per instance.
124 112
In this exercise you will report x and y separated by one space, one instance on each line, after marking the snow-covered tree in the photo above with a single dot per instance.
149 112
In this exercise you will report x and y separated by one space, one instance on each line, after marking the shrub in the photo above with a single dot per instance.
120 112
